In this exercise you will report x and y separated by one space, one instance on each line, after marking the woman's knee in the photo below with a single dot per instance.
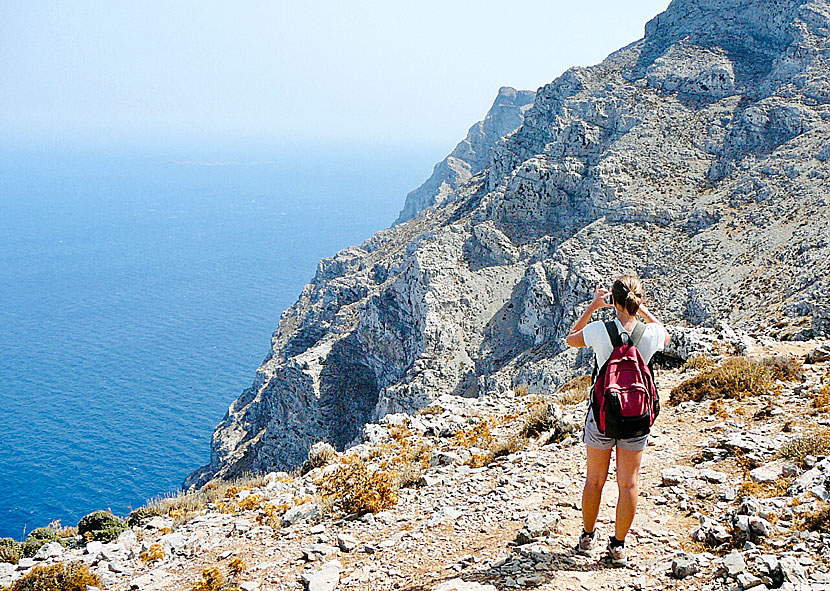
596 481
628 485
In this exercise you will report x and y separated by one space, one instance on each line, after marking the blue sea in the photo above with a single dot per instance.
139 288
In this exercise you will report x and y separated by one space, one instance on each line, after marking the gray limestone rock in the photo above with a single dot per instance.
768 473
8 573
50 550
459 584
304 512
472 154
684 565
346 543
734 563
675 475
537 525
819 354
792 570
152 581
324 578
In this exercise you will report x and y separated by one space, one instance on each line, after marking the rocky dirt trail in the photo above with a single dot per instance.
718 507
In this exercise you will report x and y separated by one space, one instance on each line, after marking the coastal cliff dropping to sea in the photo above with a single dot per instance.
696 157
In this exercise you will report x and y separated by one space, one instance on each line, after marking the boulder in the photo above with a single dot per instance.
734 563
684 565
346 543
537 525
324 578
768 473
305 512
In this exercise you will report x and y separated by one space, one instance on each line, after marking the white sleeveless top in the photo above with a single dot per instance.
596 337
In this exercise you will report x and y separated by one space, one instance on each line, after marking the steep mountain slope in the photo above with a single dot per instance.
695 158
472 154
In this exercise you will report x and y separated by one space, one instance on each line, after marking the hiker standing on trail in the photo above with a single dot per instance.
623 383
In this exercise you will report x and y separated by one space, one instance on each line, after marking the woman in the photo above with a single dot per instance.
626 297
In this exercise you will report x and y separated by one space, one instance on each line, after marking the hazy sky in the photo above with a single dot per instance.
390 72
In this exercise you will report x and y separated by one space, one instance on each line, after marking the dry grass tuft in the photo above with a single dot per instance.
499 448
736 378
821 399
784 368
576 390
153 553
538 419
813 443
818 520
480 435
505 447
212 580
718 408
478 460
750 488
399 433
250 503
319 455
57 577
181 505
271 514
409 476
354 488
237 566
697 362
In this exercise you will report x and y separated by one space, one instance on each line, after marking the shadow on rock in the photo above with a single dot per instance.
530 566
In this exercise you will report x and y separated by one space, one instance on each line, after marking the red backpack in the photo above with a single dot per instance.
624 398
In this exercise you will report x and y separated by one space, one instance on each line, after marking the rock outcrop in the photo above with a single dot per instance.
695 157
472 154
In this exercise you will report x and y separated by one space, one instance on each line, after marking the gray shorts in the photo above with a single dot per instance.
593 438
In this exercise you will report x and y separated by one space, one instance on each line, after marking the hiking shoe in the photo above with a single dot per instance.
586 543
617 555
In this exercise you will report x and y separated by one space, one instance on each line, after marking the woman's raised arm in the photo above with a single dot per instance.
575 338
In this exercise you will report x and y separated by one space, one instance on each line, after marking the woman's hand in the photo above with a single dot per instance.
575 338
600 293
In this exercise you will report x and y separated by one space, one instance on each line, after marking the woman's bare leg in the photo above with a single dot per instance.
628 478
598 461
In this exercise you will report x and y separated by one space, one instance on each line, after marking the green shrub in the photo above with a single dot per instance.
57 577
44 533
10 550
101 526
138 515
736 378
37 538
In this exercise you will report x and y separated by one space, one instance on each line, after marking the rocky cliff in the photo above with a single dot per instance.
695 157
472 154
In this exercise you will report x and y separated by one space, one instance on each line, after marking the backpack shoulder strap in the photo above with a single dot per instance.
637 333
613 334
